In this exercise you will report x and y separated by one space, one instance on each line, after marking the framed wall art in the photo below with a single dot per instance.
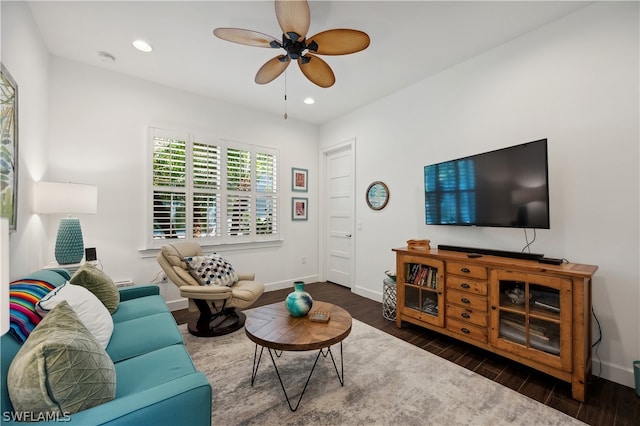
8 148
299 208
299 178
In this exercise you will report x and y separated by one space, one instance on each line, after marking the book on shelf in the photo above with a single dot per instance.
426 271
434 278
412 271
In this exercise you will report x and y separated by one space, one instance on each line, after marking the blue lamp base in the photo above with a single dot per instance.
69 243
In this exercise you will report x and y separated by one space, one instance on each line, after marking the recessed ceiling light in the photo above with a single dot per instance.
142 46
309 101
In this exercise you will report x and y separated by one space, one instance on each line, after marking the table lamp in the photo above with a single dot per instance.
69 198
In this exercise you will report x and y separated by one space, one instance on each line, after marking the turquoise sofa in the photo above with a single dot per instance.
156 381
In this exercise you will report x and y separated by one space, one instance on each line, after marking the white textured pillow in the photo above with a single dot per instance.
211 270
93 314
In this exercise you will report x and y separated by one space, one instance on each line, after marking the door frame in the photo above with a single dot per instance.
322 229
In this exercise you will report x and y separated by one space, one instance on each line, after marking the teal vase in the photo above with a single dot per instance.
298 302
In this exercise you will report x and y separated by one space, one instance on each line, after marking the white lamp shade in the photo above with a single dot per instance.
66 198
4 275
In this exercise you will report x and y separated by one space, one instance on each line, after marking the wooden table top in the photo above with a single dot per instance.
272 326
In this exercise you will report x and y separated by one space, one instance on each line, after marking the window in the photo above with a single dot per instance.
211 191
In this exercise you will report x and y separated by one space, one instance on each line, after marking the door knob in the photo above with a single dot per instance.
348 235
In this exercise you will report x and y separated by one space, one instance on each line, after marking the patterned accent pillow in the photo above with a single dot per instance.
61 368
98 283
211 270
23 297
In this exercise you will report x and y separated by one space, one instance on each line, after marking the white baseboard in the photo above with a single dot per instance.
176 305
365 292
615 373
279 285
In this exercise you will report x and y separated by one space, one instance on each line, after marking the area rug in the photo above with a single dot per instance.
387 381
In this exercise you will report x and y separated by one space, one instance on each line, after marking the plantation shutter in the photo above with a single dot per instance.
207 177
266 194
238 185
169 187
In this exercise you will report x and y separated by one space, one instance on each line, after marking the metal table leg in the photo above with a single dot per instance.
324 352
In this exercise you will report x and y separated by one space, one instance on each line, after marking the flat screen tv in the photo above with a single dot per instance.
507 187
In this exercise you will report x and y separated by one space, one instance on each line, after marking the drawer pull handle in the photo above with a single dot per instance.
465 285
465 330
465 315
465 270
465 300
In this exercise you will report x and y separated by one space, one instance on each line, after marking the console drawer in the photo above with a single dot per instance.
466 284
466 329
467 300
466 314
467 270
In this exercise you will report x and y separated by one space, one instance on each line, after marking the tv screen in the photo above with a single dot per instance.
506 188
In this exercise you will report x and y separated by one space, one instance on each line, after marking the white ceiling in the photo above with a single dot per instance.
410 41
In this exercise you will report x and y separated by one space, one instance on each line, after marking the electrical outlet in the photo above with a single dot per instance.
163 278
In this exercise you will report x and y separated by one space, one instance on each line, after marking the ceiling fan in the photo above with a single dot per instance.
294 18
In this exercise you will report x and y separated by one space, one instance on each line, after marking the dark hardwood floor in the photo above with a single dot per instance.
608 403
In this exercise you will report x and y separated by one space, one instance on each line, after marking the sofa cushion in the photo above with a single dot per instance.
211 269
142 372
23 297
89 309
61 368
141 307
98 283
141 335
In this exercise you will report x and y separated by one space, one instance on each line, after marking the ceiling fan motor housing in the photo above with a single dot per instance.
295 47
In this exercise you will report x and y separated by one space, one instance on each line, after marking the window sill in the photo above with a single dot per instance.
224 247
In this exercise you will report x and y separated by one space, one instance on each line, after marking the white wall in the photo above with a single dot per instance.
27 59
574 82
98 135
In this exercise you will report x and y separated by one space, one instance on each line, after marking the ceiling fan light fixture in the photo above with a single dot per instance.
309 100
142 46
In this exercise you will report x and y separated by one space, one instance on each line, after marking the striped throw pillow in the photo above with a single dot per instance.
23 297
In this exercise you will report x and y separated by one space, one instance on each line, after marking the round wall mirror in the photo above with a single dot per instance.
377 195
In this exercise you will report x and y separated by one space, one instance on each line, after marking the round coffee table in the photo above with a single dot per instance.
272 327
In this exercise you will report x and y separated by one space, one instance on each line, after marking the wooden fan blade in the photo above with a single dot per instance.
272 69
246 37
317 71
293 16
340 41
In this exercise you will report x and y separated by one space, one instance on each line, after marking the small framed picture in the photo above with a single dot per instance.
299 180
299 208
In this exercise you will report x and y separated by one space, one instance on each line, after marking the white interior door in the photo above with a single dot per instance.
339 209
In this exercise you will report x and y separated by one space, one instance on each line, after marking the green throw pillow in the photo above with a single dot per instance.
98 283
60 368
